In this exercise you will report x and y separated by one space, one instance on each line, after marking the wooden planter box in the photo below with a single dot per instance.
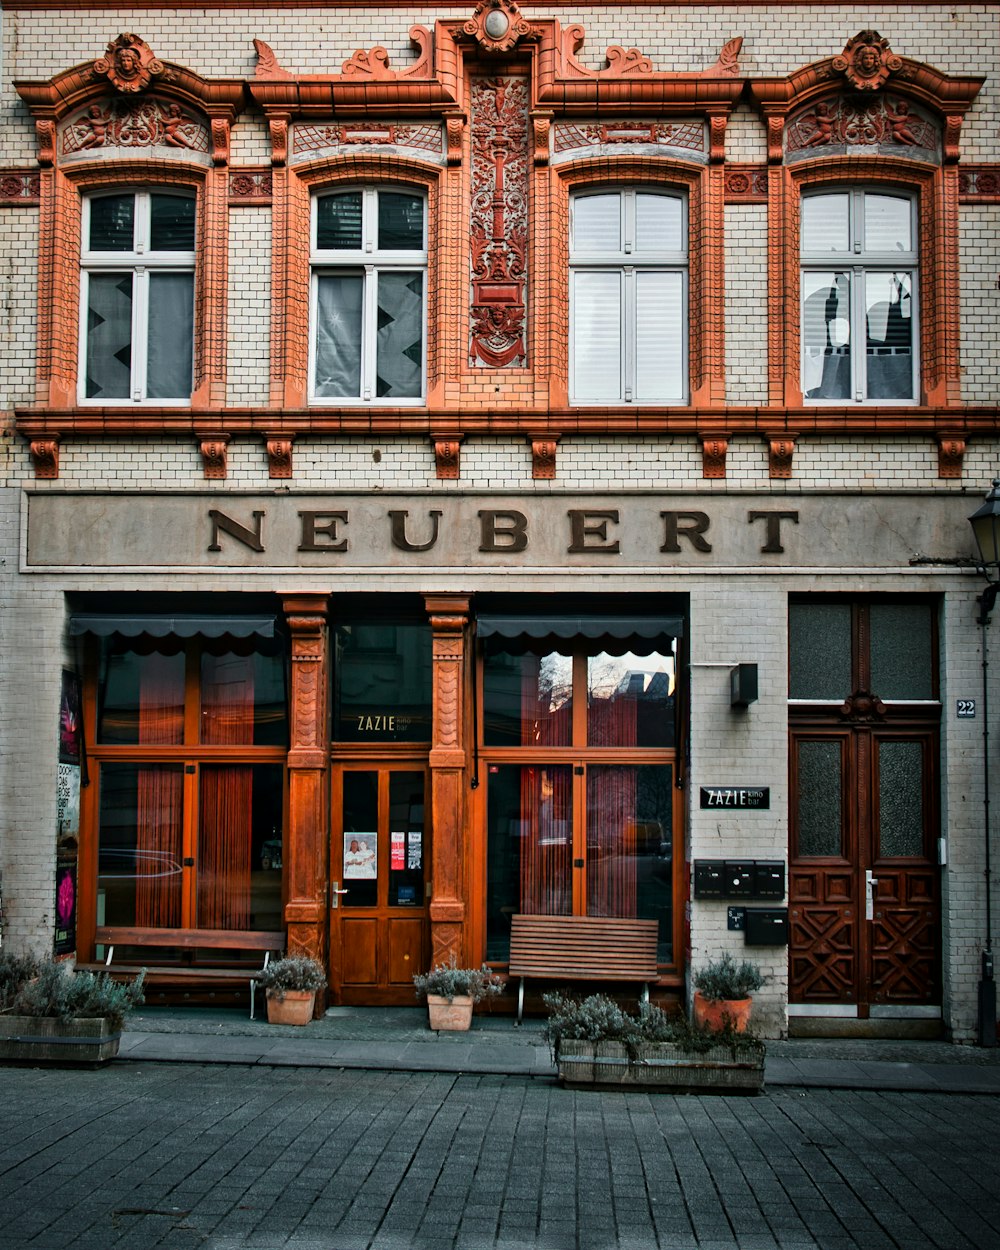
39 1039
661 1066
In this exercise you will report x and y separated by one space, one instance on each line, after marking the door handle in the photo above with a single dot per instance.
871 881
335 892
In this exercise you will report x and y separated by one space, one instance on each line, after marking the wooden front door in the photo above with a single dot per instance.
379 860
864 894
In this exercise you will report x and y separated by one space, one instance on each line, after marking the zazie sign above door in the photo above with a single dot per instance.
399 533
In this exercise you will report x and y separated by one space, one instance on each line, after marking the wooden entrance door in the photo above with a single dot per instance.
379 859
864 881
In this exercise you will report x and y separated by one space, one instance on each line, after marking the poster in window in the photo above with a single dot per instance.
360 856
414 849
70 721
397 851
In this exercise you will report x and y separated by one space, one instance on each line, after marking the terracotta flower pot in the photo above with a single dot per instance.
717 1013
455 1015
295 1008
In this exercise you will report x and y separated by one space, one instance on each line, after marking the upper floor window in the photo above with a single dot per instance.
137 298
628 297
369 264
859 297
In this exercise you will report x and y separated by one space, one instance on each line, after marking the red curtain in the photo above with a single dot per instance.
611 800
226 792
160 794
546 815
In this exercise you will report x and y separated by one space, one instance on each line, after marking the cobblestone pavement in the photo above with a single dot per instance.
138 1156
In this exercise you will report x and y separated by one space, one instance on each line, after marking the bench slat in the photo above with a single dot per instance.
191 939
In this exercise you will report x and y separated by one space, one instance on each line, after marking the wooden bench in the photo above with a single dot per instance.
189 940
582 948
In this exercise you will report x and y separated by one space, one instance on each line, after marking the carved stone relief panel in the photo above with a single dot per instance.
881 123
135 124
422 139
684 140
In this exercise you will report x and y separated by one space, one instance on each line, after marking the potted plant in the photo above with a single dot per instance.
291 985
723 992
595 1043
452 992
50 1013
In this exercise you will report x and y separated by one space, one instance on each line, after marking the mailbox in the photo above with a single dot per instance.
767 927
709 878
739 878
769 878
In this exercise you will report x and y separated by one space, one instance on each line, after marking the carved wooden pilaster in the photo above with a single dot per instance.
951 452
45 457
214 449
279 454
543 458
781 449
449 616
446 456
308 781
713 454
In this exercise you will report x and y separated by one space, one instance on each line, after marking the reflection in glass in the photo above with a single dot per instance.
630 845
112 223
819 647
360 825
820 811
528 700
407 848
338 335
400 222
109 336
338 222
900 800
889 319
529 847
171 227
239 833
139 857
826 335
382 683
243 699
399 335
630 700
140 696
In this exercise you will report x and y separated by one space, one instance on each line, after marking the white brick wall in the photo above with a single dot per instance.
248 341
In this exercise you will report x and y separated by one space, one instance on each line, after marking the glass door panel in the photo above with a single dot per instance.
359 842
140 837
406 839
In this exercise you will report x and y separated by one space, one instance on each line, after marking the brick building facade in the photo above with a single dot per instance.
413 417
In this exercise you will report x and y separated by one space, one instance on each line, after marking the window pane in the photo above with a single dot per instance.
888 223
659 336
819 646
406 839
243 700
528 700
112 223
360 839
820 818
109 336
901 650
338 335
529 847
826 335
338 221
630 845
171 227
139 868
400 222
597 315
630 700
141 697
900 799
826 223
382 683
597 225
171 336
889 314
659 223
239 847
399 335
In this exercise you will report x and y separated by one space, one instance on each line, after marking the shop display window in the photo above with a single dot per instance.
382 682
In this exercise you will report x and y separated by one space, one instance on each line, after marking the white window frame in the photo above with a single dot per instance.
628 264
369 262
141 262
859 263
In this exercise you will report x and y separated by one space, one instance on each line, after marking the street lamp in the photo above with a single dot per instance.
985 524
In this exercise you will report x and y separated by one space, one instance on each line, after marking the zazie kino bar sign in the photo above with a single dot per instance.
553 531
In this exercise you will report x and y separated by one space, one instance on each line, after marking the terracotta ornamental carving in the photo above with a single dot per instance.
846 122
866 61
129 64
497 26
499 221
135 124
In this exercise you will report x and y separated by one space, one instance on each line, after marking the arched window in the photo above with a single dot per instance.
628 297
137 297
369 267
859 297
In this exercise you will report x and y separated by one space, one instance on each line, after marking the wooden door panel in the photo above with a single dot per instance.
823 954
406 948
359 965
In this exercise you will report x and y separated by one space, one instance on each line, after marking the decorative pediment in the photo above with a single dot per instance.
866 61
129 64
498 26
